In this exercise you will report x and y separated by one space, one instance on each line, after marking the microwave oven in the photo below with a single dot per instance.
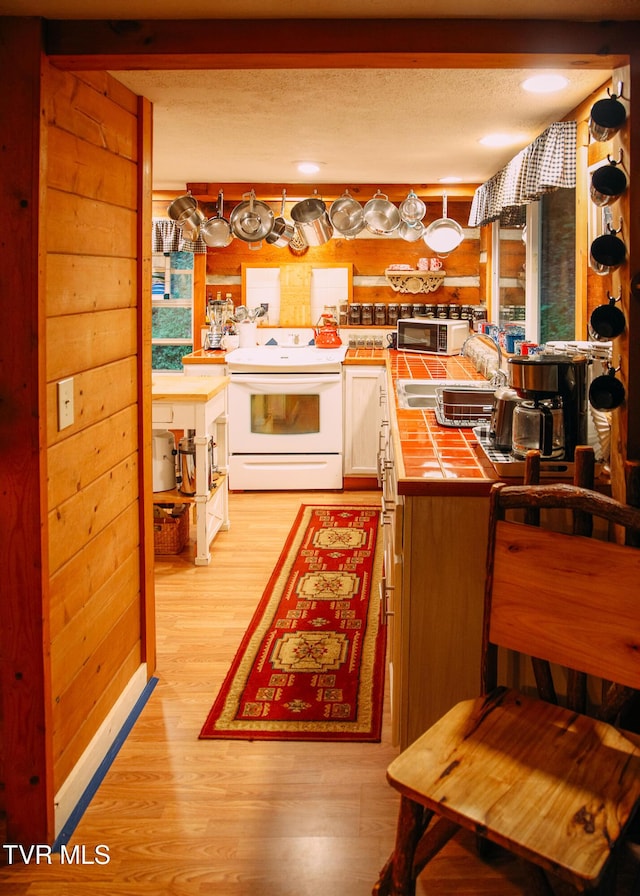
431 335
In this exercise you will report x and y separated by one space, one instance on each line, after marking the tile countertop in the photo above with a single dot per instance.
434 459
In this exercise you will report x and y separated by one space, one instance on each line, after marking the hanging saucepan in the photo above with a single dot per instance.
216 231
608 252
182 207
445 234
413 209
380 215
191 224
607 117
606 392
312 221
411 232
251 220
347 215
608 183
607 321
282 232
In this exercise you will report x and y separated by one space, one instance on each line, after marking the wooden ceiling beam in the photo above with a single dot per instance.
336 43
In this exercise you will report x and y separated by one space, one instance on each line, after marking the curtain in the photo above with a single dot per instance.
549 163
167 237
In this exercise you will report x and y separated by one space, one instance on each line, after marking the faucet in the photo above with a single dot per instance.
498 376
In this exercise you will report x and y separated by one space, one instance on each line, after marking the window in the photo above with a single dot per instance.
172 309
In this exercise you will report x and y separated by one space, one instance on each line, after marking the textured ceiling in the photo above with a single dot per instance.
371 126
365 126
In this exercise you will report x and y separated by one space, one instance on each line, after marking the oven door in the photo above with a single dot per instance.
285 413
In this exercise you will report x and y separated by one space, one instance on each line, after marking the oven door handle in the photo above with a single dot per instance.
258 380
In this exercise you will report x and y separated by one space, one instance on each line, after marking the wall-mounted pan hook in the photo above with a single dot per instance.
617 161
619 91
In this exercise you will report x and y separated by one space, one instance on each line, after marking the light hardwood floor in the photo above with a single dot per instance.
186 817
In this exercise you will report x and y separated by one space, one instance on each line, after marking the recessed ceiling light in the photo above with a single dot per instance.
497 140
450 180
544 83
308 167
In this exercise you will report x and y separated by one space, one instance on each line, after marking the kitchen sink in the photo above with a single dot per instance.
424 393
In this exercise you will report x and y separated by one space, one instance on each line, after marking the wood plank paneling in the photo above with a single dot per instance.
70 739
370 256
85 169
99 393
75 105
84 341
90 453
74 522
82 226
77 284
93 333
89 572
77 643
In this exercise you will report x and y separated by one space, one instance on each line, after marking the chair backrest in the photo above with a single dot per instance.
568 599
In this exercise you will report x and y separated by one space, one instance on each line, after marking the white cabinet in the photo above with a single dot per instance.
363 390
198 403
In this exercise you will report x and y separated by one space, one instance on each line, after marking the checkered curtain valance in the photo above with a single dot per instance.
167 237
549 163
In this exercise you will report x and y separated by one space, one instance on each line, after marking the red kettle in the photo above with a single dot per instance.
325 333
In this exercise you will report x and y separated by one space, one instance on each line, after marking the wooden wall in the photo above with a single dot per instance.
76 593
369 254
91 336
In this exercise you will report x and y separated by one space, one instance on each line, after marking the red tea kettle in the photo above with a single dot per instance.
325 333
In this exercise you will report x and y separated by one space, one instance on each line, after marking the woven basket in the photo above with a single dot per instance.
170 529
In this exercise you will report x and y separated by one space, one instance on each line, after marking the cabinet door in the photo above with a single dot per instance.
362 419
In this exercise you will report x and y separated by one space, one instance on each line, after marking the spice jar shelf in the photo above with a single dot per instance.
414 282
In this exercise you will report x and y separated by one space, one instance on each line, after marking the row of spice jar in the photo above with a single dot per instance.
380 314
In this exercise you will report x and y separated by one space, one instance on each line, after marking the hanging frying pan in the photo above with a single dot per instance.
216 231
445 234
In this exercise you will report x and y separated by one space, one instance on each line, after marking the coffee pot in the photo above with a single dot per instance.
505 401
538 425
553 415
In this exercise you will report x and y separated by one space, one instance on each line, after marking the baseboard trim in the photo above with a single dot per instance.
79 788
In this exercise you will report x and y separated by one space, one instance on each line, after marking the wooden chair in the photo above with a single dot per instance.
556 787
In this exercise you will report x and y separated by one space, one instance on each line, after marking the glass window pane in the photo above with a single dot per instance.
169 357
169 322
557 265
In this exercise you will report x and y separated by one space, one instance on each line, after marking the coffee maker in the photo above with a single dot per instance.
553 414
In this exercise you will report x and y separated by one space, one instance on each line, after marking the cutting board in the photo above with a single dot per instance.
295 295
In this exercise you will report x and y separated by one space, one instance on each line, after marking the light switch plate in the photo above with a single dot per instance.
65 403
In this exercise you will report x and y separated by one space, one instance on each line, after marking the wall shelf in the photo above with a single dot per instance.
414 282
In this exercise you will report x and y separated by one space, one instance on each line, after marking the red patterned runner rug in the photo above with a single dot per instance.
311 665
